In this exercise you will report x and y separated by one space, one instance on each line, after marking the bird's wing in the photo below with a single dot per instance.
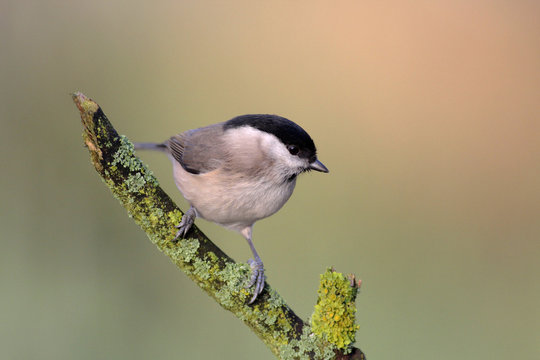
199 150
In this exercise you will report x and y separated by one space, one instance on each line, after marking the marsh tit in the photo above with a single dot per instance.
239 171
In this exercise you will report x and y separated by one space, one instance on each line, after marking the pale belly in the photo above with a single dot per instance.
230 201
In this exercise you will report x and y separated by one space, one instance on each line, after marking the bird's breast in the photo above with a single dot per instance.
233 199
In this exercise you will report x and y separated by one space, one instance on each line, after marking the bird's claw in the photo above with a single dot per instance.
185 224
257 278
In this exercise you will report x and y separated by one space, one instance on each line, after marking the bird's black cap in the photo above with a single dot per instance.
284 129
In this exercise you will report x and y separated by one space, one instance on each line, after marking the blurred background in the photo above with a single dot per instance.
427 114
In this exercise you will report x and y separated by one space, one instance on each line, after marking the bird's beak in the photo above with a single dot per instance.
318 166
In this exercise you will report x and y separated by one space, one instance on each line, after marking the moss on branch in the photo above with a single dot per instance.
134 185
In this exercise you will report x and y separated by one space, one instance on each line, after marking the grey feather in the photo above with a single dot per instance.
200 150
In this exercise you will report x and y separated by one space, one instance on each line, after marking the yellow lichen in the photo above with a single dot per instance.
334 315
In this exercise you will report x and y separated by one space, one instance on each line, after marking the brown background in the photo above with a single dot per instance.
425 112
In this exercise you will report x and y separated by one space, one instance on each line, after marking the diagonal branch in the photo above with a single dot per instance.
134 185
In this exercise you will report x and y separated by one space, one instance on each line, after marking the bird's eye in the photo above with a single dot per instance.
293 149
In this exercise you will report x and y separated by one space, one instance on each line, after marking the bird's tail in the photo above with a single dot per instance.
150 146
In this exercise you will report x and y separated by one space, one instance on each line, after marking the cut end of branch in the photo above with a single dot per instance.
354 282
84 104
88 110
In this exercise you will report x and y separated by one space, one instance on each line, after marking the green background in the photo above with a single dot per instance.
427 114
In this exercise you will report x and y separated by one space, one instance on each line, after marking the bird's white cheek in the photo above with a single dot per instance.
282 159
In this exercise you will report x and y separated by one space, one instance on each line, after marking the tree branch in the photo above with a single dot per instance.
287 336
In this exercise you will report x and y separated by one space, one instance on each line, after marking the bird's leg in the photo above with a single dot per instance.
257 267
187 220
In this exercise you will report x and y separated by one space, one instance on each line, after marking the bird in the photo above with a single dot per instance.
237 172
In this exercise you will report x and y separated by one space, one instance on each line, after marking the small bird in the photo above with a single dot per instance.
237 172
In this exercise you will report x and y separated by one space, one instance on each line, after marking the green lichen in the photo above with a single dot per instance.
186 250
175 216
228 286
274 316
135 182
275 302
308 347
201 269
125 157
232 293
334 315
271 316
156 217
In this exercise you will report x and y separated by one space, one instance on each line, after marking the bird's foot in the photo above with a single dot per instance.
257 277
187 221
